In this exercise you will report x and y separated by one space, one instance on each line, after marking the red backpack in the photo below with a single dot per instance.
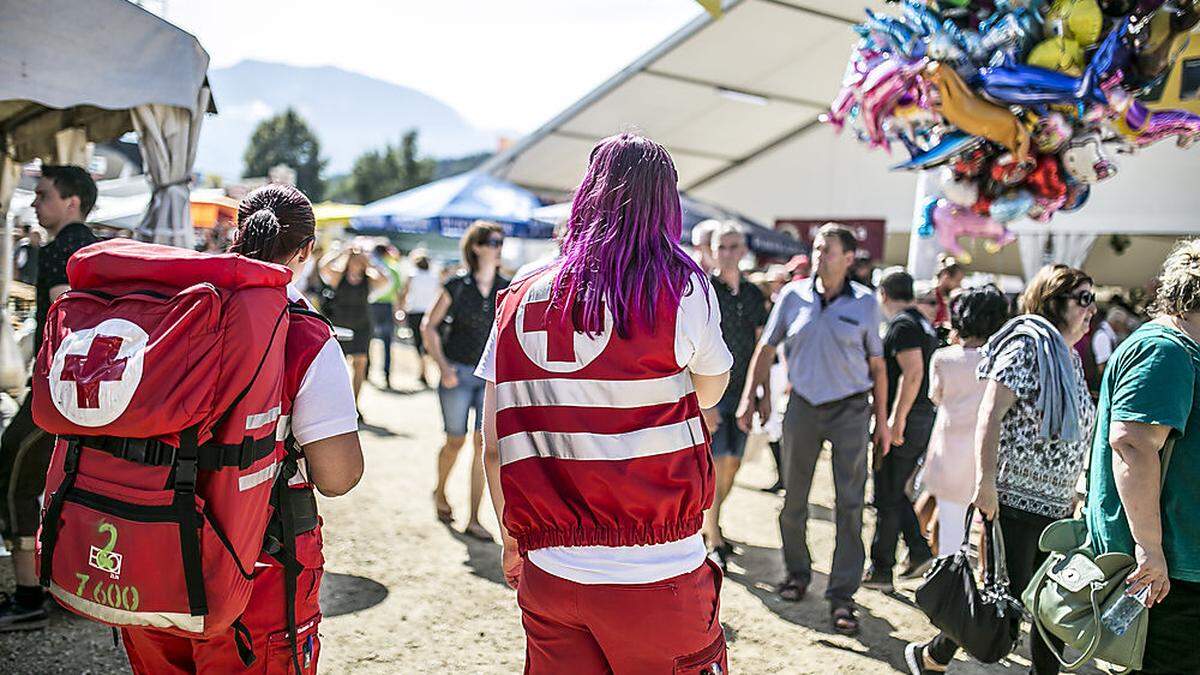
161 372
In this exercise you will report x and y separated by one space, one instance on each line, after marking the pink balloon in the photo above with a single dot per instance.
951 222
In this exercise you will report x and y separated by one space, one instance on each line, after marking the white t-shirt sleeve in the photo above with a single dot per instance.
1102 346
486 370
698 343
324 406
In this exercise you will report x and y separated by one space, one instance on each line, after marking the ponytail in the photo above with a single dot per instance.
274 222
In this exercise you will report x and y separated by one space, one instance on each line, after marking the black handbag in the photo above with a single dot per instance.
984 621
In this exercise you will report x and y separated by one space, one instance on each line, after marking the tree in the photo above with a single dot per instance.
381 173
287 139
457 165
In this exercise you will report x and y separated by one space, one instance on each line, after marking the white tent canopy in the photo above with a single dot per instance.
104 67
736 101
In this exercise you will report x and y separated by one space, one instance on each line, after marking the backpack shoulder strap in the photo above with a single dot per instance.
300 310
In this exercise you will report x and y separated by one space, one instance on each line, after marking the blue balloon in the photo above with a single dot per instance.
1112 55
1014 83
925 220
1077 196
1011 206
952 144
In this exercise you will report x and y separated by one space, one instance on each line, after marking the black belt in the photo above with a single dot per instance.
153 452
830 404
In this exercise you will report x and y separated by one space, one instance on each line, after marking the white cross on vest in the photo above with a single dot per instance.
553 347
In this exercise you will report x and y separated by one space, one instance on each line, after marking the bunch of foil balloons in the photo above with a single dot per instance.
1019 104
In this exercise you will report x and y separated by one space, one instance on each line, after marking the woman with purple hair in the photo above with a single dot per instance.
596 453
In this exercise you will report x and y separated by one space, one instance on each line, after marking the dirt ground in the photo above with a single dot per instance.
403 593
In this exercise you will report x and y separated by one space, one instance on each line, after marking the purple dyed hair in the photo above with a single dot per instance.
621 245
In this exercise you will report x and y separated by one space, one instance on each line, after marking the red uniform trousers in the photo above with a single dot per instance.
159 653
669 626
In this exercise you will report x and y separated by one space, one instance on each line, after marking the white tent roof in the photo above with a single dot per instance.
736 101
73 63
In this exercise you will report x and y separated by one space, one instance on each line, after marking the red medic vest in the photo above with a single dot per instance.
308 333
601 438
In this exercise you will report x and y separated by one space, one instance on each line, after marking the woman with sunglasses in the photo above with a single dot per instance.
1033 430
467 305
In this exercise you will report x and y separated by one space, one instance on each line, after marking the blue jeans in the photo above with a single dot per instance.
458 402
385 328
728 439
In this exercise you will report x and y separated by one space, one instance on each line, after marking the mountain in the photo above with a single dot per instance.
349 112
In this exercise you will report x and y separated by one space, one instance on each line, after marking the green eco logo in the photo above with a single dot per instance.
104 558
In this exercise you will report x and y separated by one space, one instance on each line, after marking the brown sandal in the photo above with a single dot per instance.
845 621
792 589
479 532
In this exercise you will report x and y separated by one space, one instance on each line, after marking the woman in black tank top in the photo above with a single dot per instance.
352 277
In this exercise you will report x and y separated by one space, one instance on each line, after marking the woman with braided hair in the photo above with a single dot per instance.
276 224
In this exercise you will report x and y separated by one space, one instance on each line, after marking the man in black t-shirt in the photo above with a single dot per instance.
743 314
907 346
65 196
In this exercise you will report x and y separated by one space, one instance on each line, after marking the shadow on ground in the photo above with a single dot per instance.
483 557
382 432
763 569
347 594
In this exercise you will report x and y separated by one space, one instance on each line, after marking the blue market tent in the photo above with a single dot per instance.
448 207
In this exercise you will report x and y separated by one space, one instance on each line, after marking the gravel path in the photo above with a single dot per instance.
405 594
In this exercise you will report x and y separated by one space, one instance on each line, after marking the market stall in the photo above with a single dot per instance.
64 87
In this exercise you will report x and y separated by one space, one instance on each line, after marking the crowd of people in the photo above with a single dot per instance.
610 393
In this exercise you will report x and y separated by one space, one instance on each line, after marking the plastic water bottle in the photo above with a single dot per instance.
1124 611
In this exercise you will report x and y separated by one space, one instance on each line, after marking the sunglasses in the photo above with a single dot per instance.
1084 298
492 243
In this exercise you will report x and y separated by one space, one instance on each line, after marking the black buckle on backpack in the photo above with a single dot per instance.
185 475
159 453
246 453
133 449
71 459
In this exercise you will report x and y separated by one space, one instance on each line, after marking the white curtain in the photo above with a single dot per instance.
167 137
1043 248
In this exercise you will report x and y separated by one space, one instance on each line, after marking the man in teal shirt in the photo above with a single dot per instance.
1151 393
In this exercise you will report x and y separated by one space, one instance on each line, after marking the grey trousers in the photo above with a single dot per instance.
845 424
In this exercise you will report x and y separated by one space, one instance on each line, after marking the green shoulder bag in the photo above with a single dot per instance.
1074 587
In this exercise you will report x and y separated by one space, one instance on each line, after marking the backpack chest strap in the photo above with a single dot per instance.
210 456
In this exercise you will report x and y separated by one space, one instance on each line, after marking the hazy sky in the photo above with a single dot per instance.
503 64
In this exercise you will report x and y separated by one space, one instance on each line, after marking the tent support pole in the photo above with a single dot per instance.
922 251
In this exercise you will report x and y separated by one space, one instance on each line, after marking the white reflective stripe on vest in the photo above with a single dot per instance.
259 420
259 477
604 447
283 428
593 393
